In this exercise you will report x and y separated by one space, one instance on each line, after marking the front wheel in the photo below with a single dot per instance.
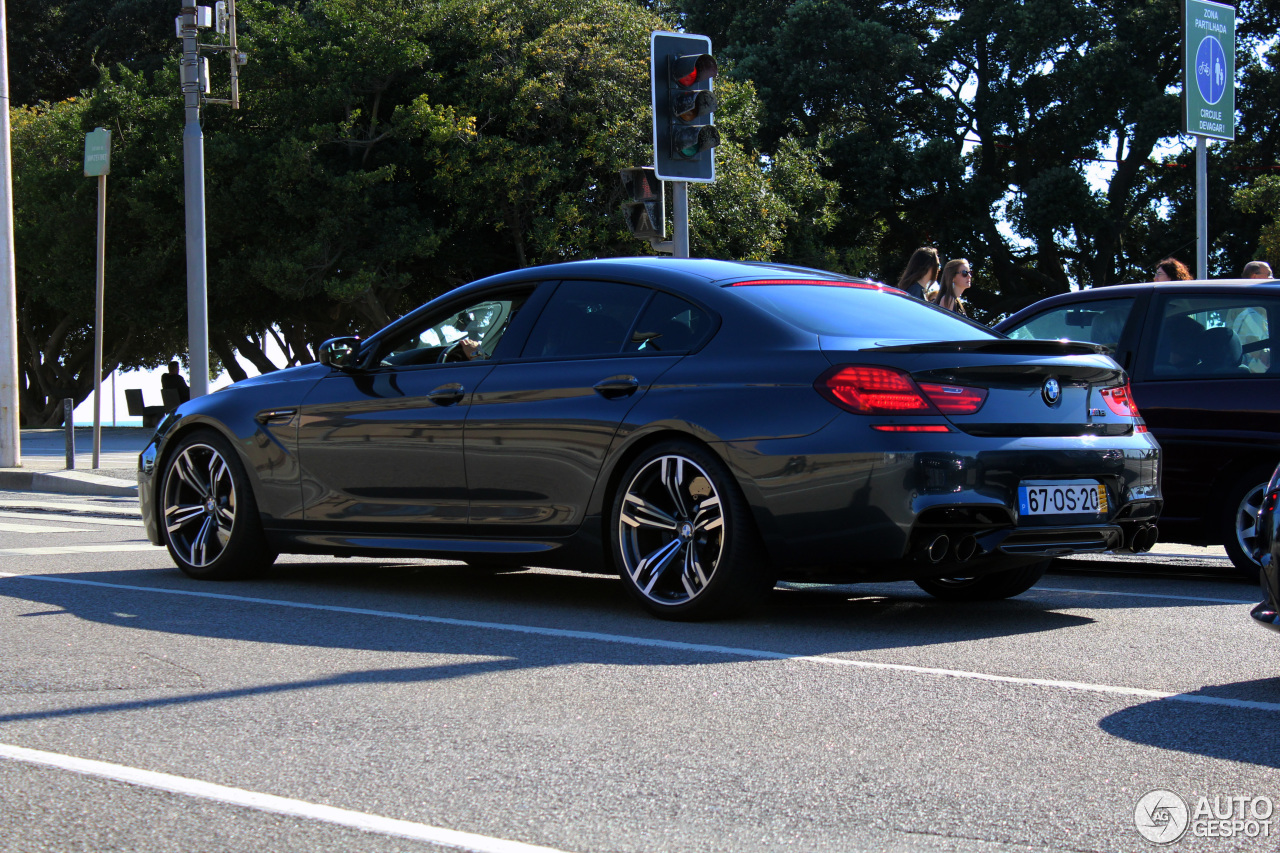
683 538
988 587
1241 504
208 515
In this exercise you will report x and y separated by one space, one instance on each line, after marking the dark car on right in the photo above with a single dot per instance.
1267 612
1205 376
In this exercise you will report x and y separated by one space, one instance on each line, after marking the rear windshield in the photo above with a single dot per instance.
856 312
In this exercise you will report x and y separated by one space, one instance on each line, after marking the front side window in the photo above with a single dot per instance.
1099 321
1213 336
467 332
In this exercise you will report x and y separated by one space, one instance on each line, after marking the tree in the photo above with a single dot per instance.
55 224
1031 137
387 151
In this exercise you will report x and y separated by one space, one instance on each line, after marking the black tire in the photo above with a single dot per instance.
683 538
988 587
1240 505
208 516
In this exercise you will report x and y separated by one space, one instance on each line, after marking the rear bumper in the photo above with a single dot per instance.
820 505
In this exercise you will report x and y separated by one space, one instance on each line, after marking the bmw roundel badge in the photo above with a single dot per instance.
1051 391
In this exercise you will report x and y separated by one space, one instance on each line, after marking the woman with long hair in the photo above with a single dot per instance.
1172 269
921 270
956 277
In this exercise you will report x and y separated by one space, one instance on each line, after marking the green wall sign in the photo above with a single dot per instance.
1209 69
97 153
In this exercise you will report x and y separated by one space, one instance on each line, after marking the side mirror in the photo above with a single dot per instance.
340 353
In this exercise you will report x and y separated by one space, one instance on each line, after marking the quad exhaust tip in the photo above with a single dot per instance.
1144 538
965 549
937 550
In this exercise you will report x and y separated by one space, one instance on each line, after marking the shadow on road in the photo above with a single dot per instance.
426 610
1214 731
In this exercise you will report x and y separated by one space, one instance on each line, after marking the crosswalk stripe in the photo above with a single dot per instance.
101 506
74 519
6 527
75 549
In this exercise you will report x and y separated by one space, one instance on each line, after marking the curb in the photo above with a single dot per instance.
66 483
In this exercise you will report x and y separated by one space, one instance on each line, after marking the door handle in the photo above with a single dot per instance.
446 395
616 386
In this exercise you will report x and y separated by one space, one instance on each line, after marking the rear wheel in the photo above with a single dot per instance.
208 515
1241 504
988 587
682 535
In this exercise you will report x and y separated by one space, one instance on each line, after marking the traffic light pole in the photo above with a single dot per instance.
193 184
680 224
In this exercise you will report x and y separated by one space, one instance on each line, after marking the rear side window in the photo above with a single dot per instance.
1214 336
669 324
859 312
586 318
1099 322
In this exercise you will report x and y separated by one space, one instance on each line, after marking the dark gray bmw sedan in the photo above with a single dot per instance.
702 428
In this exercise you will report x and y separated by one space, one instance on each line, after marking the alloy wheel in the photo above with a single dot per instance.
671 530
1246 517
199 504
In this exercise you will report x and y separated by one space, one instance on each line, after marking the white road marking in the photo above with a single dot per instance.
270 802
647 642
75 519
6 527
75 549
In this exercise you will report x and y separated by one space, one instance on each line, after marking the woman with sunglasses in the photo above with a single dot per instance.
956 277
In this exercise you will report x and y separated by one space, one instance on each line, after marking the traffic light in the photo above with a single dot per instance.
646 213
684 138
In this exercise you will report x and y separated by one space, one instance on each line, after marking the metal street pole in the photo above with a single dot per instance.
680 224
193 182
100 290
10 432
1202 208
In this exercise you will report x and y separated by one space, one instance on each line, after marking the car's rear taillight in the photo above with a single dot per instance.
873 391
870 390
954 399
1120 402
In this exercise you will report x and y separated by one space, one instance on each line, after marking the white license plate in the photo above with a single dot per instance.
1062 497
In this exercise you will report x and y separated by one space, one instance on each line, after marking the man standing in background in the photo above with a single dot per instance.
1257 269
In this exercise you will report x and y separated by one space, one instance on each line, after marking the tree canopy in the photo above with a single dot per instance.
389 150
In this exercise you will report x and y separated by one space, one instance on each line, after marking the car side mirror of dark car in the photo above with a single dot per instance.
340 353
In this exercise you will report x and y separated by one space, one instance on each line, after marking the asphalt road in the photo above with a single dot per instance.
370 705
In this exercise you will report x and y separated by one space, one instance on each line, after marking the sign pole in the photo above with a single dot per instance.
97 163
1202 208
10 431
99 300
1208 97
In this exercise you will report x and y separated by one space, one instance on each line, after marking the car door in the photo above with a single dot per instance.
540 426
1209 389
383 445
